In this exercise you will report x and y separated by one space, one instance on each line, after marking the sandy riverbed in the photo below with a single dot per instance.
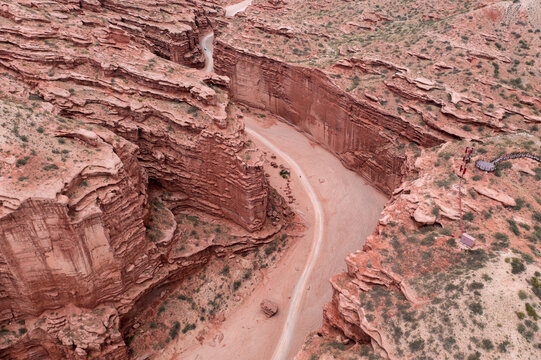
351 209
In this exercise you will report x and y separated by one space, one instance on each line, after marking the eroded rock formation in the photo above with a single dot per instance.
307 98
366 99
412 287
179 123
93 123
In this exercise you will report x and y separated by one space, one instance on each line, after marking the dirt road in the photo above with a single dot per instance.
339 210
232 10
350 212
282 348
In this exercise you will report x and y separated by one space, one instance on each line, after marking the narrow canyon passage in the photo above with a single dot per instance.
270 180
350 209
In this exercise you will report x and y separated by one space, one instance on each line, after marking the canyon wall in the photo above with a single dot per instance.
93 122
415 288
179 123
75 245
364 79
357 131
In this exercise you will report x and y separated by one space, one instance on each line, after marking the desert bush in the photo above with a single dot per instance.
476 308
417 345
188 327
173 332
513 227
517 266
487 344
531 311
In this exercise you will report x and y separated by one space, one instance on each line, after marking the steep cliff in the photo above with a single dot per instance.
415 290
94 122
368 87
180 124
72 206
391 88
307 98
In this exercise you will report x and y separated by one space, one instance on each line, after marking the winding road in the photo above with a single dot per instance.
232 10
282 348
289 326
207 44
354 207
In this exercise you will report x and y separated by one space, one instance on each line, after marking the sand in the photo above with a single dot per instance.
351 209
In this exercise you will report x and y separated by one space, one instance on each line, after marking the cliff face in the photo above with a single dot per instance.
353 129
415 289
103 75
72 228
94 121
367 88
394 88
59 252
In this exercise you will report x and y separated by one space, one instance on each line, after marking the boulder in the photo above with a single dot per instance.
422 216
269 308
505 199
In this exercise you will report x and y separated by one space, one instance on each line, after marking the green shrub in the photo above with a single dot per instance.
475 286
487 344
468 216
502 347
476 308
50 167
520 203
225 271
188 327
531 311
536 286
337 345
173 332
503 239
517 266
417 345
513 227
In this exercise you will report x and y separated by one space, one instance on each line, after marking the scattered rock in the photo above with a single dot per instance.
505 199
423 217
269 308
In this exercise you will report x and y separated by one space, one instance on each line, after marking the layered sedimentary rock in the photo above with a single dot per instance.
378 89
97 110
179 123
72 210
306 97
415 289
367 88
